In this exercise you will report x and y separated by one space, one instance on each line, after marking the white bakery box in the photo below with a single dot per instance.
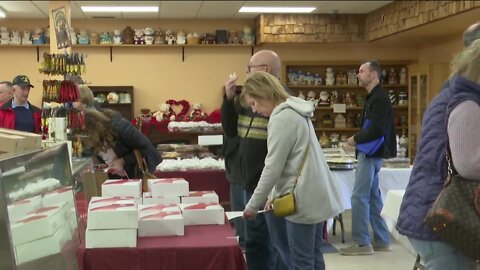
122 188
110 238
19 209
40 223
160 223
203 213
149 199
168 187
112 213
201 197
64 194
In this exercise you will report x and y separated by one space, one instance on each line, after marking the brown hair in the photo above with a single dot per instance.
262 85
467 63
100 134
85 96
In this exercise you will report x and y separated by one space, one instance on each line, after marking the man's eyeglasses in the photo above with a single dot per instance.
249 67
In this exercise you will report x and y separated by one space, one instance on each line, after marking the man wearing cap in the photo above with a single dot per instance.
5 92
18 113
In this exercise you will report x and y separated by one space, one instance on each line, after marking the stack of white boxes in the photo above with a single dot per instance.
41 232
113 219
164 211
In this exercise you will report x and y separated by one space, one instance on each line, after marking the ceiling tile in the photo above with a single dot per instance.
179 9
22 9
219 9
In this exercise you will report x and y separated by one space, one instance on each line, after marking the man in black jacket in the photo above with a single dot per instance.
251 130
366 199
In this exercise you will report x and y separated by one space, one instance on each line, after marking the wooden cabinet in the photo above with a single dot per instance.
425 81
124 107
297 77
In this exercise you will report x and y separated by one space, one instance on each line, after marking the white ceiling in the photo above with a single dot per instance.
184 9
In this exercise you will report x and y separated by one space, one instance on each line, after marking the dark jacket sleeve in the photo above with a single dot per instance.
229 117
378 111
129 139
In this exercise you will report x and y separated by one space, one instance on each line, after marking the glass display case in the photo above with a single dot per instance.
38 214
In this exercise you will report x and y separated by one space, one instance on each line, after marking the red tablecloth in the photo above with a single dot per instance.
203 180
208 247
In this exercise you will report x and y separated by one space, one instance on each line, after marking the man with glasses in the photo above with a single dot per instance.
245 141
18 113
5 91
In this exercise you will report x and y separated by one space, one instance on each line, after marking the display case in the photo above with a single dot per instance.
38 218
333 88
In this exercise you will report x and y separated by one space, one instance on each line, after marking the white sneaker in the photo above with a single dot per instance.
356 249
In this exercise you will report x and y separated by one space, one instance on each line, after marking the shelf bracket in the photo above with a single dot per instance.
38 54
183 53
111 54
253 50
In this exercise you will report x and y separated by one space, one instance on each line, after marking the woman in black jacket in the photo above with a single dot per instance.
114 139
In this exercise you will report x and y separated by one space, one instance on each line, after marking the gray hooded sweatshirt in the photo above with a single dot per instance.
317 195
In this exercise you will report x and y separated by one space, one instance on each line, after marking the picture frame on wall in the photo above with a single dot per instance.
62 32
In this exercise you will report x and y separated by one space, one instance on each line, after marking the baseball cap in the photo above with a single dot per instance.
22 80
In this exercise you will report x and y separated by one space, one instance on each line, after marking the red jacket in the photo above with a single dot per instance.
7 116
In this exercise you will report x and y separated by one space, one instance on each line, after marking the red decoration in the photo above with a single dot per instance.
215 117
185 107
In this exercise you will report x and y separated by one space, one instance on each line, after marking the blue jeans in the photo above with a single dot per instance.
367 203
305 241
237 204
258 250
277 230
438 255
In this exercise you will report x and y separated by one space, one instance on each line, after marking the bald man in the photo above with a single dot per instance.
5 91
245 144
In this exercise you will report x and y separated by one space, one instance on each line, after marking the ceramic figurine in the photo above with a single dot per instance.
324 100
309 79
324 141
317 80
301 95
334 139
352 77
15 38
4 35
112 98
341 79
300 77
334 98
158 37
139 37
403 76
348 99
181 37
233 37
402 98
340 121
128 35
83 38
170 37
393 77
94 38
27 37
117 36
291 76
248 37
384 77
330 77
105 38
149 38
311 97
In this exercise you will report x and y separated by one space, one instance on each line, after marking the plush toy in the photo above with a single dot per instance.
15 38
311 97
165 112
117 36
149 35
197 114
170 37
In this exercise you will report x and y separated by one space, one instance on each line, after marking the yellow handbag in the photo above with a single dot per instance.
284 205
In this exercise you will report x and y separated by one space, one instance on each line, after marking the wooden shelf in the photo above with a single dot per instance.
395 107
337 129
401 127
296 86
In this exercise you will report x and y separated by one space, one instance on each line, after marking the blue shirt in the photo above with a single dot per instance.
23 117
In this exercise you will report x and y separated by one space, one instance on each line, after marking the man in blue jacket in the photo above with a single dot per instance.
366 199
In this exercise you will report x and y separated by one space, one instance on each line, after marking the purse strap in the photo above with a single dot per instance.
141 164
304 158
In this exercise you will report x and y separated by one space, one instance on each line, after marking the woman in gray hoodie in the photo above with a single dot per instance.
291 139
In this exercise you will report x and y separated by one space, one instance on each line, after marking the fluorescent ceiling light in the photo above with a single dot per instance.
2 13
119 9
277 9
